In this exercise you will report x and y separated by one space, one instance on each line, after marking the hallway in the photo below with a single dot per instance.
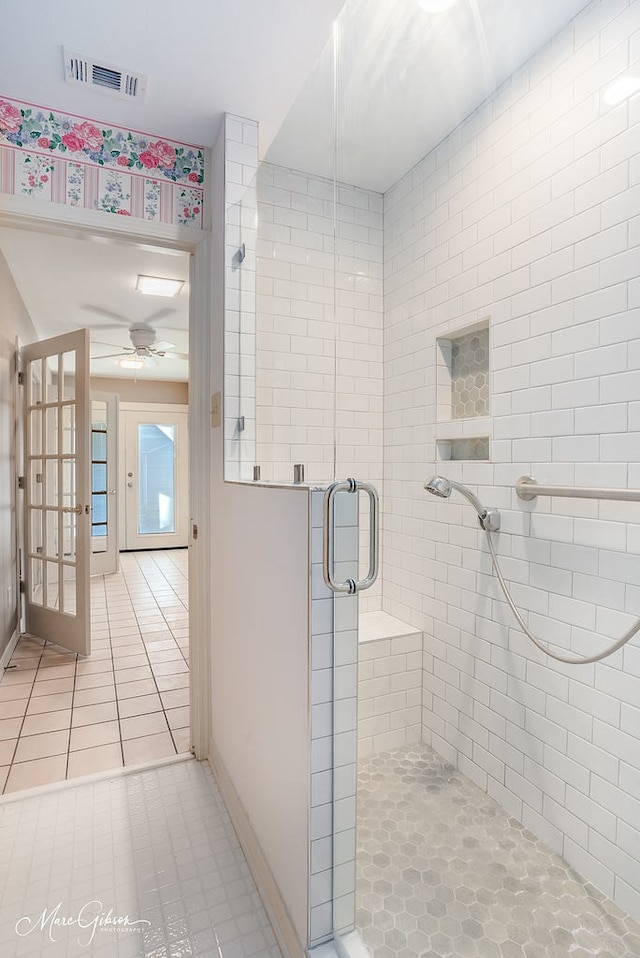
62 717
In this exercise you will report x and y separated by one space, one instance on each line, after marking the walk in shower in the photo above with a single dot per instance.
435 284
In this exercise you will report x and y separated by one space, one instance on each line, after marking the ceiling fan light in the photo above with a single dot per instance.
158 285
131 363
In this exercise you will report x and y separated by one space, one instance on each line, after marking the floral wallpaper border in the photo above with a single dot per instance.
68 159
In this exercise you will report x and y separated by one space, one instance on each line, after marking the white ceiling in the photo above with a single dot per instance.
406 79
68 283
204 58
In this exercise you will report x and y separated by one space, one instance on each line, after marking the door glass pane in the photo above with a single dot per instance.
51 477
35 580
69 589
98 476
98 513
51 378
35 490
35 545
68 376
35 429
51 529
68 482
99 444
35 382
51 420
69 429
52 592
156 482
69 536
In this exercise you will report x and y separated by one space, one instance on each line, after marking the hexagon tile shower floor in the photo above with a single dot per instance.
442 871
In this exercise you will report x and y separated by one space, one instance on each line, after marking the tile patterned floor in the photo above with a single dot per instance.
155 845
128 702
442 871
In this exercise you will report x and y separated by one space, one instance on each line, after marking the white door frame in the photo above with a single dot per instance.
23 212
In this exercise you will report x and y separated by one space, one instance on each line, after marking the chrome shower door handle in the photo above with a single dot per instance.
350 586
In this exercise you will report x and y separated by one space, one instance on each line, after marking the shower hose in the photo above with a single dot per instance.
570 660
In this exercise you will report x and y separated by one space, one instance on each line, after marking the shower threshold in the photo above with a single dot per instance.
443 871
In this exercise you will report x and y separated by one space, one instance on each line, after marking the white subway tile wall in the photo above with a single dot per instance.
241 164
546 178
389 693
319 300
334 657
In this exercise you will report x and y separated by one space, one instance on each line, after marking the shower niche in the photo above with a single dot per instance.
462 364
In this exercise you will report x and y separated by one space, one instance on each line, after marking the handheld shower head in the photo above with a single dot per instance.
441 486
438 486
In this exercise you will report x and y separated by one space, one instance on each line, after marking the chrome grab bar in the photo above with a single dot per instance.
527 489
350 586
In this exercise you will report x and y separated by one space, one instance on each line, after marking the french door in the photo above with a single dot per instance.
57 501
154 476
104 483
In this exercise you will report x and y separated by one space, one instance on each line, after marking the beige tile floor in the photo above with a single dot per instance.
62 716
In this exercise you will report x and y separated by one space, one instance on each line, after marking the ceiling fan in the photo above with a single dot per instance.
145 348
118 320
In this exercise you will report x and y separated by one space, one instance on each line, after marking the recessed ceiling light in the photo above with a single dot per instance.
436 6
131 363
159 285
620 90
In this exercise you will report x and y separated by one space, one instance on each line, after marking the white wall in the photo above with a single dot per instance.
15 322
141 390
529 213
260 673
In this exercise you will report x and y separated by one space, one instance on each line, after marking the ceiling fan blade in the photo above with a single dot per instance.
111 355
177 355
151 361
163 345
107 313
159 314
96 342
104 326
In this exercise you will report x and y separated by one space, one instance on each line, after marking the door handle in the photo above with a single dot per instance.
350 586
77 510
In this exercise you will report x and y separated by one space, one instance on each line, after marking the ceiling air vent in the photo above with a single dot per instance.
90 72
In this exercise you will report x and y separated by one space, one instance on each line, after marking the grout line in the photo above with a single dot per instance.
113 669
73 695
24 716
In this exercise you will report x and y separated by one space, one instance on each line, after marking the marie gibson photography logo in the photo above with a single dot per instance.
90 918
